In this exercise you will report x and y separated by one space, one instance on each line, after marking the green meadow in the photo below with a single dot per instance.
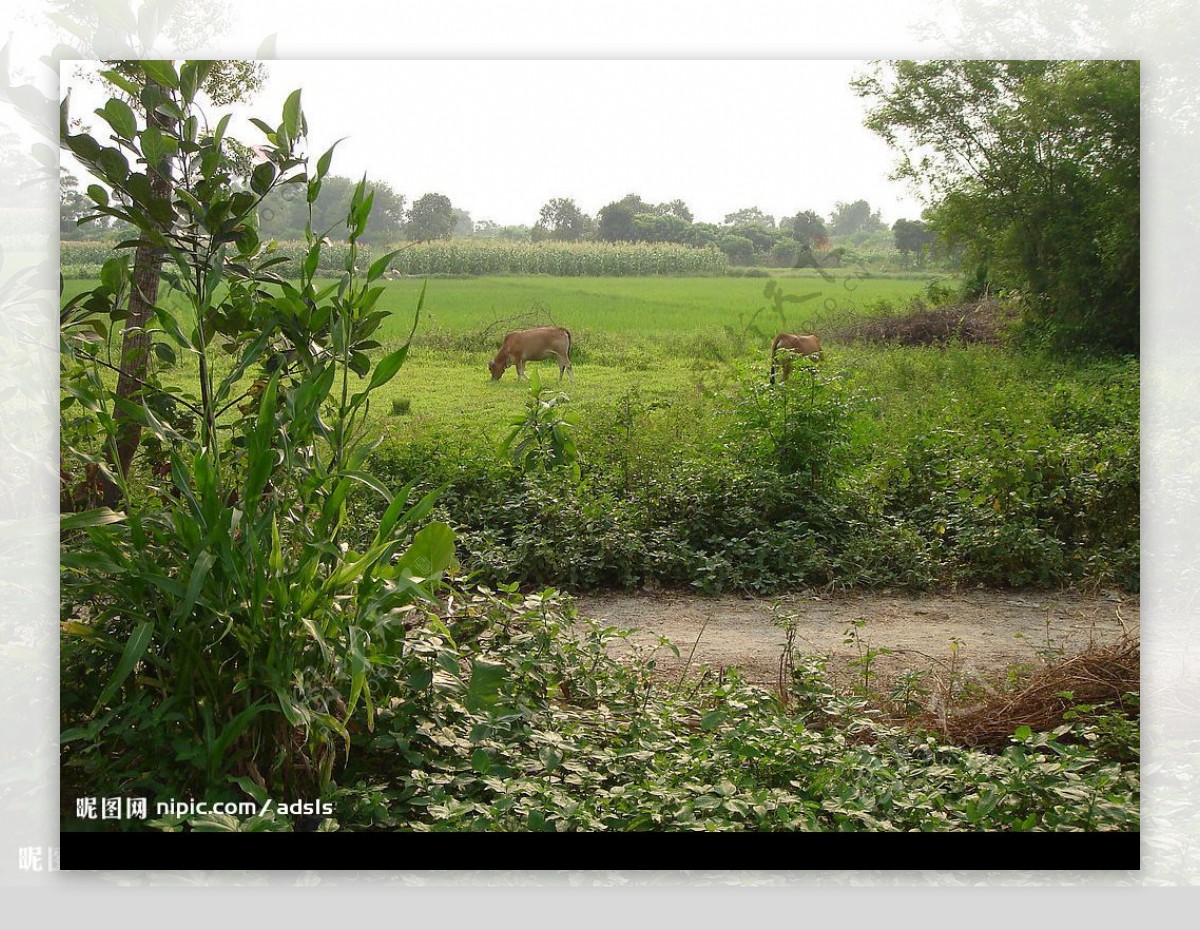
666 336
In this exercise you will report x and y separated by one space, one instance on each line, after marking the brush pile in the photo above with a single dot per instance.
1103 674
981 321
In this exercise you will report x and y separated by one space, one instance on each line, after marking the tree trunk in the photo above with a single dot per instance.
135 340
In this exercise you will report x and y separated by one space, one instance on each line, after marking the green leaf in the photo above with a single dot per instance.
162 72
135 648
292 114
114 273
260 454
98 194
100 516
431 552
359 363
262 178
483 691
119 115
219 132
387 368
380 265
116 77
199 572
83 147
268 130
326 160
157 146
114 165
233 729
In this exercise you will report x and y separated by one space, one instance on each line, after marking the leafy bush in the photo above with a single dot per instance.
541 440
954 472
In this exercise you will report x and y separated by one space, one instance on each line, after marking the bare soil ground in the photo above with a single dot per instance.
983 636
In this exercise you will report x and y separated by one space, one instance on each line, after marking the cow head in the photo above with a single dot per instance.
496 367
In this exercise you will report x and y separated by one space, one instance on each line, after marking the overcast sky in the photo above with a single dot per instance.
500 138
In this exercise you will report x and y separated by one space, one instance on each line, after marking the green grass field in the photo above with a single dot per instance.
633 307
670 337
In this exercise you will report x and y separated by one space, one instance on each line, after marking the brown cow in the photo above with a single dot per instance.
791 343
533 345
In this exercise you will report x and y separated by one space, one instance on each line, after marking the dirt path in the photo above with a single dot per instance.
996 631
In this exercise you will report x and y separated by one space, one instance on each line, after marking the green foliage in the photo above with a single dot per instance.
800 426
901 467
542 440
285 212
562 220
806 227
221 628
1033 167
82 260
848 219
528 723
430 217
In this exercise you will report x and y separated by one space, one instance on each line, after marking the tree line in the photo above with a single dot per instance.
747 236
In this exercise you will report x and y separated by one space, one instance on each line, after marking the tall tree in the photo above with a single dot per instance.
72 206
562 220
749 216
616 222
850 218
1033 167
676 208
285 211
911 235
806 227
431 217
464 226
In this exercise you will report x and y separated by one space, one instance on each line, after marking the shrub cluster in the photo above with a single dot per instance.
778 492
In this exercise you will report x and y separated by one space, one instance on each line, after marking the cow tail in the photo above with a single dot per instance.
774 346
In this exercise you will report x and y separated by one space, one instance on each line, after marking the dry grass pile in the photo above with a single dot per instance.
920 325
1101 675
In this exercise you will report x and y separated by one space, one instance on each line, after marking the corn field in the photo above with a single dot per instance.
481 257
558 258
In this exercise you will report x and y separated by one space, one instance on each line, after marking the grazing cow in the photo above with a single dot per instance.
806 346
533 345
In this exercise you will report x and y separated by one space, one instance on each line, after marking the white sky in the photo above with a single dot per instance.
501 137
